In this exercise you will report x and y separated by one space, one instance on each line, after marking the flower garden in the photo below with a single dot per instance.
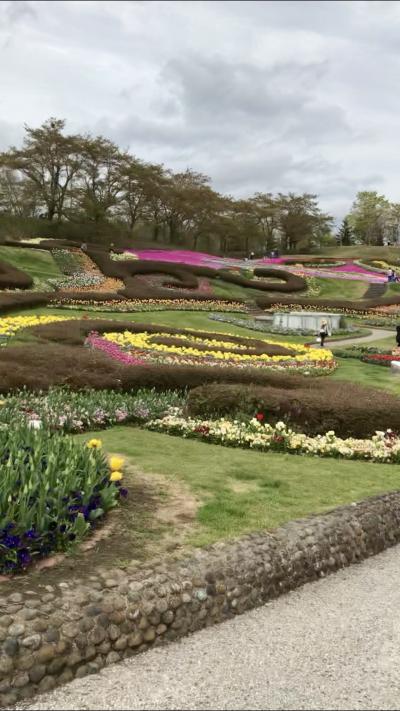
165 344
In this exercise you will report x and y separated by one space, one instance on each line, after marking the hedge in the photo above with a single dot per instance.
15 301
13 278
312 407
365 305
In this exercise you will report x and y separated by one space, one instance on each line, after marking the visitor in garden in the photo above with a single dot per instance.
398 336
323 332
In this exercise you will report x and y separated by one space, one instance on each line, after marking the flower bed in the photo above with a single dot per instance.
133 305
10 325
214 349
53 490
61 409
382 447
384 359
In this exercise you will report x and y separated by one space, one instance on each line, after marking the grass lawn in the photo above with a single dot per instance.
362 251
367 374
178 319
37 263
341 289
240 491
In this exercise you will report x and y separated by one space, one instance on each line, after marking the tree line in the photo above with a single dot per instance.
88 180
372 220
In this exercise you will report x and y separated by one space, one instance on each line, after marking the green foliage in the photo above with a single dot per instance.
240 491
345 234
52 491
65 410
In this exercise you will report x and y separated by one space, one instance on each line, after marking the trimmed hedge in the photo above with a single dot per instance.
365 305
13 278
40 366
309 406
16 301
184 276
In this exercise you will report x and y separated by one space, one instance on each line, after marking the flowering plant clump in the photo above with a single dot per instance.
53 490
384 359
11 324
80 280
123 257
256 434
133 305
218 350
61 409
68 262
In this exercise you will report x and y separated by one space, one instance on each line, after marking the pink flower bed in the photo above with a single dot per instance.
182 256
94 340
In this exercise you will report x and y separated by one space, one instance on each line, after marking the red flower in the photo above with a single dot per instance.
260 416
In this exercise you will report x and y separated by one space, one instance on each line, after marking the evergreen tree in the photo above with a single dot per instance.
345 234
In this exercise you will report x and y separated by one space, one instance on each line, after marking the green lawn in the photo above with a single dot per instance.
362 251
178 319
240 491
37 263
341 289
367 374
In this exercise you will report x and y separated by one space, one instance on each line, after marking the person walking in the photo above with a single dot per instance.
323 332
398 336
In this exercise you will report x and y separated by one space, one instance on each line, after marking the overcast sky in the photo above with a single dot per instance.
261 96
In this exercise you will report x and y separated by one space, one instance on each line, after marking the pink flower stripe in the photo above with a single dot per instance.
182 256
94 340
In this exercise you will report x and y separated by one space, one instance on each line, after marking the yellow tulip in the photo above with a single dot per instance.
116 476
116 463
94 443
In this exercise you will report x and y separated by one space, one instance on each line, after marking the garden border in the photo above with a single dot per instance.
67 632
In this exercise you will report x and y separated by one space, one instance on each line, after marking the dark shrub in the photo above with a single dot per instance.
14 301
13 278
315 408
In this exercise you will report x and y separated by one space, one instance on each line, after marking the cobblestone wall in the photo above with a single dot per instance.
53 635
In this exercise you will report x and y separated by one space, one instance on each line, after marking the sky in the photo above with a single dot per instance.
272 96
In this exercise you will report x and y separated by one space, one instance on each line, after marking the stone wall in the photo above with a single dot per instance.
51 636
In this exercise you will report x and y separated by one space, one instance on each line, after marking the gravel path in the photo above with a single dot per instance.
333 644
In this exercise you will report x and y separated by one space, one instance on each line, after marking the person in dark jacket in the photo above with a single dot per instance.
323 332
398 336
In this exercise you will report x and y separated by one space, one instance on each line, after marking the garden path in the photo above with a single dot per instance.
332 644
376 335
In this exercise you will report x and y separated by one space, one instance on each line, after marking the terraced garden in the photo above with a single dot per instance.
146 411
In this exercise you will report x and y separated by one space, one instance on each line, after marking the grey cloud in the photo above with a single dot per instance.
279 95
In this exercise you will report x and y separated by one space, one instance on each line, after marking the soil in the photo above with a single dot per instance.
154 520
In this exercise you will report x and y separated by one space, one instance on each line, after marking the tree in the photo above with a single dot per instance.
345 234
139 190
99 178
366 217
49 160
301 222
266 212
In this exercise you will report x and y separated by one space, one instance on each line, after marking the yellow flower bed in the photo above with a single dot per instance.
12 324
143 341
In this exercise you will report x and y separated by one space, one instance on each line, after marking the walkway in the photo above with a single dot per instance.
333 644
376 335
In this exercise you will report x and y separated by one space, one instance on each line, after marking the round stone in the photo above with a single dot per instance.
16 630
15 597
97 635
37 673
11 647
20 680
6 665
32 641
112 658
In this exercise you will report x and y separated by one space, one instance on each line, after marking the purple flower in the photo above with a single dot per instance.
12 541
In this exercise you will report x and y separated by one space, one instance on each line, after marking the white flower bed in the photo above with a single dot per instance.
382 447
